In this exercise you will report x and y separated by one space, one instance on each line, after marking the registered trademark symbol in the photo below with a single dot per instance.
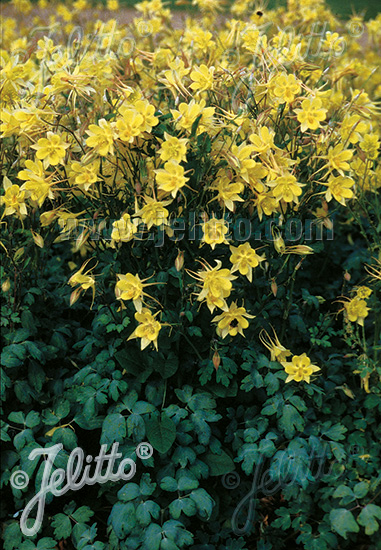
144 451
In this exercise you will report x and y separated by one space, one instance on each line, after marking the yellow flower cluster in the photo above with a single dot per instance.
232 112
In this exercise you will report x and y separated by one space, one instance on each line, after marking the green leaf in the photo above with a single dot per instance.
62 526
218 464
291 421
113 429
168 484
161 433
130 491
361 489
367 518
12 536
83 514
343 522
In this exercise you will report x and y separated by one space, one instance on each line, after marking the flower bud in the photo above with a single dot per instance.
38 240
6 285
179 262
274 287
347 276
216 360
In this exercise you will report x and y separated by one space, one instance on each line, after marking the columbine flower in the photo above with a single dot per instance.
363 292
101 137
216 285
337 158
214 232
228 191
154 212
130 287
84 281
123 229
286 188
244 258
202 78
277 351
286 87
232 321
84 175
173 148
311 114
13 199
148 329
171 179
356 310
300 368
339 188
37 185
51 150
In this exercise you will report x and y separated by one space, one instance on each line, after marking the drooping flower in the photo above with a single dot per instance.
148 328
277 351
13 199
131 287
299 369
216 285
356 310
82 280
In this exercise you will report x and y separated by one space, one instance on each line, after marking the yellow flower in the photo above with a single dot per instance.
265 204
13 199
311 114
286 188
154 212
286 87
173 148
147 111
263 141
337 158
112 5
228 191
216 285
244 258
300 368
36 184
356 310
101 137
351 128
130 287
232 321
202 78
339 188
277 351
123 229
129 126
84 175
363 292
171 179
214 232
51 150
370 145
148 328
84 281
